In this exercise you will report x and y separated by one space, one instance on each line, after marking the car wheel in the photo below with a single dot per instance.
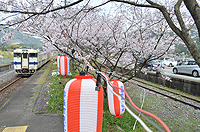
175 71
170 65
195 73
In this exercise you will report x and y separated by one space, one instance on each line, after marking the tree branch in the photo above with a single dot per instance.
178 15
42 12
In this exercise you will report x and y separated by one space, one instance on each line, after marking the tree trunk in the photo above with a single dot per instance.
183 34
194 10
192 46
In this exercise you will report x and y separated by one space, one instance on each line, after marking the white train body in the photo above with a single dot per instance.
27 61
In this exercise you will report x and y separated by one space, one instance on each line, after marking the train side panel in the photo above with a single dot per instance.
43 58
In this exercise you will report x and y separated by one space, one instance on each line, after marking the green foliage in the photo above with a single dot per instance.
110 123
3 48
125 122
12 46
56 95
6 54
181 48
55 103
24 46
22 40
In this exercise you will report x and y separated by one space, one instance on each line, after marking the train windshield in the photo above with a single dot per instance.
17 55
24 55
33 55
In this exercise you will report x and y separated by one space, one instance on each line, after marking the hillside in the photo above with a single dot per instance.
20 40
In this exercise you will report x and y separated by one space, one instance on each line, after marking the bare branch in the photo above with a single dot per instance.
178 15
42 12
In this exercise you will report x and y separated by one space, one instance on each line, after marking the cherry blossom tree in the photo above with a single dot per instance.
114 38
176 15
120 40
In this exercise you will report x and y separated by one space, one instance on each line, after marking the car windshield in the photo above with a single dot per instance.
185 63
192 63
154 61
189 63
170 59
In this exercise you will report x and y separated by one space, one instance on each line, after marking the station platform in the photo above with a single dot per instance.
17 110
14 129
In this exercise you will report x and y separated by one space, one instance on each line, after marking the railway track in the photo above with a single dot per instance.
11 83
6 89
142 84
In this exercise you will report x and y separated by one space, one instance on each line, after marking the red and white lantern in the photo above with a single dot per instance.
115 106
83 106
64 65
58 59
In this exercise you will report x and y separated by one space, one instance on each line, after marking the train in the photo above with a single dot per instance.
28 61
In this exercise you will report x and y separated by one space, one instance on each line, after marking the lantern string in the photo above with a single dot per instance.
119 96
146 112
140 107
115 74
143 111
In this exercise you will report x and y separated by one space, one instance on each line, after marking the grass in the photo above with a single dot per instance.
56 95
110 123
125 122
55 103
46 69
6 54
176 120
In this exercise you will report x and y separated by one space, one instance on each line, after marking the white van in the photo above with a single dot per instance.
168 61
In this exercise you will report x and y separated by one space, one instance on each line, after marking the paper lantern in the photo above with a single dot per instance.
83 106
58 59
115 107
64 65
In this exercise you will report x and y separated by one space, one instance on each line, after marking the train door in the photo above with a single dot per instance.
25 61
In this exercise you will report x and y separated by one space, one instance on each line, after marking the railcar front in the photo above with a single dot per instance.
17 60
25 61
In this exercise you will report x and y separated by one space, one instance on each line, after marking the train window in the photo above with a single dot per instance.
33 55
17 55
24 55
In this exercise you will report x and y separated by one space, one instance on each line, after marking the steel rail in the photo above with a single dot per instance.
169 91
10 84
194 106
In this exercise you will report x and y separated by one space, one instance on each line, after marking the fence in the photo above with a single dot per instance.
184 85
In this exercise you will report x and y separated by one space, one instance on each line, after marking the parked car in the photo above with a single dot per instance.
140 62
151 65
168 61
187 67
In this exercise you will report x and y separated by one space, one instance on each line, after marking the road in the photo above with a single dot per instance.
168 72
